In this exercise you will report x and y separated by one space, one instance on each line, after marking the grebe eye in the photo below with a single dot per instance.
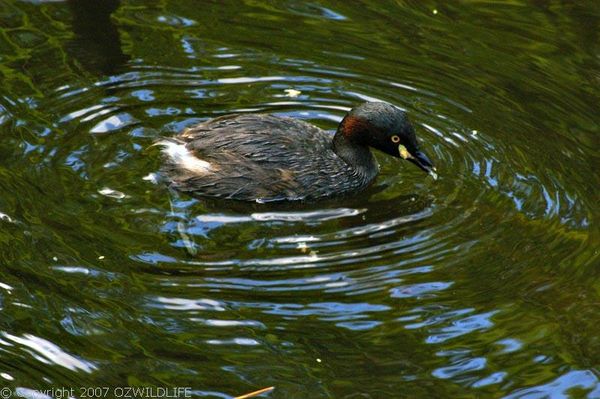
395 139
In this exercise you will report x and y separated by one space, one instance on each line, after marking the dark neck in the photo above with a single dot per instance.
357 156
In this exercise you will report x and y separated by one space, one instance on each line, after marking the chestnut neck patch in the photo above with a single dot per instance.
355 129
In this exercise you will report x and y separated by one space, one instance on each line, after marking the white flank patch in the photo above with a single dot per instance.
183 158
152 178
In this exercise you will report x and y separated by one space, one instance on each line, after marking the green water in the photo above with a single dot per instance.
484 283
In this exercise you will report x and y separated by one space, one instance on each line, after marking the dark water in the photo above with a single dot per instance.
484 283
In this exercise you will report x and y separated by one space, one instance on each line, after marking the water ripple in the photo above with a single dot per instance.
479 283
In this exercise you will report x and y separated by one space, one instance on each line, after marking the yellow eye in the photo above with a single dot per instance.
395 139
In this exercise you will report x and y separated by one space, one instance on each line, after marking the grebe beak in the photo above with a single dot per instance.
420 159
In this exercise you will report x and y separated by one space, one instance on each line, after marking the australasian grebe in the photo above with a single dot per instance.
258 157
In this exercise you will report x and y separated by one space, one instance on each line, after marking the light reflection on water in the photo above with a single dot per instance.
479 284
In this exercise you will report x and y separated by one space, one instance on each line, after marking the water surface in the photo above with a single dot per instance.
481 284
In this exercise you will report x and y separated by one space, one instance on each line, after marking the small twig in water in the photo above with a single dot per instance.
255 393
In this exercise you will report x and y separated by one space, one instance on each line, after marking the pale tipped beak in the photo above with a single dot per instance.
420 159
